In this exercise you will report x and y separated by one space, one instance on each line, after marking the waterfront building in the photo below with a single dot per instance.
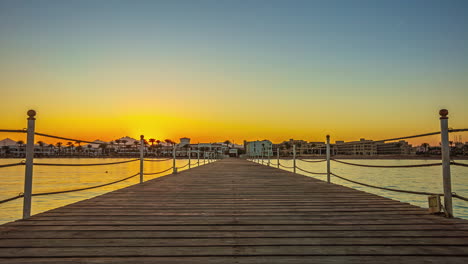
259 148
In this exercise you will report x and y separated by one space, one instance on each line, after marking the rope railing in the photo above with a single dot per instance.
13 130
65 138
423 135
384 188
317 173
68 191
157 160
86 164
312 161
182 166
11 165
459 164
388 166
399 190
459 197
286 166
159 172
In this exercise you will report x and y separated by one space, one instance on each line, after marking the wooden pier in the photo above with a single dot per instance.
235 211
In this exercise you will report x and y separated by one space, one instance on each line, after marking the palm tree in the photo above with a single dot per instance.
89 149
59 146
70 146
41 144
136 143
103 148
425 146
152 140
20 144
118 144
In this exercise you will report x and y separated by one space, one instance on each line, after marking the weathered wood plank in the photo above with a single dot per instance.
234 211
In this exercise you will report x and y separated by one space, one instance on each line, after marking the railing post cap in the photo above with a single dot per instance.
443 114
328 136
142 136
31 114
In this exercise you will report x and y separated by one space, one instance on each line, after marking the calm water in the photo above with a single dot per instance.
426 179
65 178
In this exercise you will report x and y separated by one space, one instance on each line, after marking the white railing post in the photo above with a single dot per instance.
28 174
328 158
268 155
189 159
294 158
446 162
142 153
204 157
174 168
277 157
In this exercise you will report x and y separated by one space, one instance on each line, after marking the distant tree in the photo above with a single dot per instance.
20 144
89 149
103 148
118 141
425 146
59 146
228 143
41 144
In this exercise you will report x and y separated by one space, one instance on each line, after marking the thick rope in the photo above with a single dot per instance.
286 167
459 164
317 173
64 138
155 160
67 191
459 197
13 130
182 166
11 165
424 135
388 166
86 164
384 188
153 173
312 161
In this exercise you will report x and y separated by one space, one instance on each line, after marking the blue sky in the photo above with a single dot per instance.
372 59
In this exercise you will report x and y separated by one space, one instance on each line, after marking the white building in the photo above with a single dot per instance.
259 148
184 141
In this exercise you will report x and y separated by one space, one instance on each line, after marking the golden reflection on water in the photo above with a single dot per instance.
57 178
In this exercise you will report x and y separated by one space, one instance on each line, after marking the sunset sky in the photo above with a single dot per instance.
217 70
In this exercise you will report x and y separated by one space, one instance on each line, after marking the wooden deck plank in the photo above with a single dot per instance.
234 211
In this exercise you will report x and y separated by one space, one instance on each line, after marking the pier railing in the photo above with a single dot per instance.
206 158
445 163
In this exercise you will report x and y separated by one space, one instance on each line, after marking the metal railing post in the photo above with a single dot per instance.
328 158
268 155
277 157
446 162
189 160
28 174
204 157
142 153
174 168
294 158
198 157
